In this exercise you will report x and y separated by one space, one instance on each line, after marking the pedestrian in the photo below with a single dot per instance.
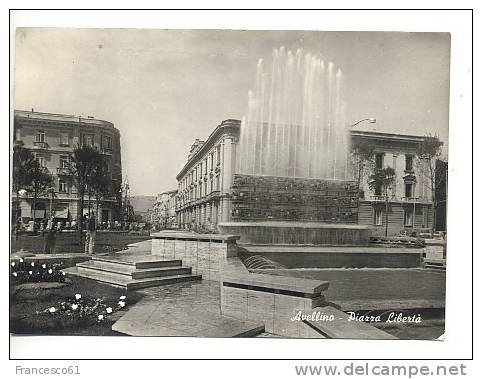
50 237
90 237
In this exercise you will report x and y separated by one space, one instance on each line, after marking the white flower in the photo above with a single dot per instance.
44 266
30 272
21 260
122 304
78 296
14 274
13 264
122 297
108 310
33 264
52 309
75 306
100 317
50 271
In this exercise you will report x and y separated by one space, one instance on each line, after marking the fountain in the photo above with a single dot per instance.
295 123
293 183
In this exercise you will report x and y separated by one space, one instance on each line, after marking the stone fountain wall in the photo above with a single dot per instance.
271 198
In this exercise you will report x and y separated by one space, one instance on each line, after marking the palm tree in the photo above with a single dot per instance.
383 179
81 167
41 181
22 164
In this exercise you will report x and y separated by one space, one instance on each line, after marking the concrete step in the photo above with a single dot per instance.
103 277
133 273
124 281
434 263
139 262
435 267
160 281
161 272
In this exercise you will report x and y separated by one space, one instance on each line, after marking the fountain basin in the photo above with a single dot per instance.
297 233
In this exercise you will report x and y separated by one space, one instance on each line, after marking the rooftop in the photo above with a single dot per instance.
56 117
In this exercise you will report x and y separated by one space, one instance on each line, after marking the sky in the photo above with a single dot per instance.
164 88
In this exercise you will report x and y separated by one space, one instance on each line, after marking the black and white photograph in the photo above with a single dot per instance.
229 183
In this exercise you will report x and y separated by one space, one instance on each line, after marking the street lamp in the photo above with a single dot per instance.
371 120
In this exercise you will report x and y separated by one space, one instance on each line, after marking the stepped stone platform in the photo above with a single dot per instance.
133 271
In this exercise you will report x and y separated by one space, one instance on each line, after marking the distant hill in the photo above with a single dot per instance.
142 203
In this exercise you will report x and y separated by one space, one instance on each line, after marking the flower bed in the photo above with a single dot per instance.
80 310
23 272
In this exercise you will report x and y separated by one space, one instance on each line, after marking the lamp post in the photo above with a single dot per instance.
371 120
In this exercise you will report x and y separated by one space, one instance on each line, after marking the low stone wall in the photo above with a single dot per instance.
272 300
289 307
207 254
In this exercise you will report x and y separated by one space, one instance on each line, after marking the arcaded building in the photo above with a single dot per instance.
52 138
207 194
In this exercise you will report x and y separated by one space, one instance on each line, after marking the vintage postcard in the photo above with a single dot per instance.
229 183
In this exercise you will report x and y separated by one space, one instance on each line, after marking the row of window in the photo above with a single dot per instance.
378 217
379 158
205 165
87 139
203 190
409 190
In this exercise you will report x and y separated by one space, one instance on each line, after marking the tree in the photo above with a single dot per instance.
383 179
362 156
21 171
81 167
41 181
428 152
99 182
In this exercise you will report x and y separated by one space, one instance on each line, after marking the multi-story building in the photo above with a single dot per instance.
164 210
205 182
410 205
52 138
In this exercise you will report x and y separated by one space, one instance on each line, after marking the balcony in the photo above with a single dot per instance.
63 171
377 198
40 145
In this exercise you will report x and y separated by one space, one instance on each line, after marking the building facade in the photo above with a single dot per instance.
205 183
52 138
410 205
163 214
